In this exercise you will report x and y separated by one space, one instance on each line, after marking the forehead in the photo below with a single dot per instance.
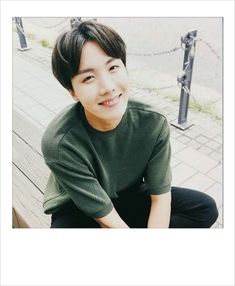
92 55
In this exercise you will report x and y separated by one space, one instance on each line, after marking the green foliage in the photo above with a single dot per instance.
31 36
46 44
200 107
194 105
174 98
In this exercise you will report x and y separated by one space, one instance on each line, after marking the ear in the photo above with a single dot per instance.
74 95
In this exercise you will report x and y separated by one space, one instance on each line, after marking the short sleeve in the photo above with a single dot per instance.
82 187
158 172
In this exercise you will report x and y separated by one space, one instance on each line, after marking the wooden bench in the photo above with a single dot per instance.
30 175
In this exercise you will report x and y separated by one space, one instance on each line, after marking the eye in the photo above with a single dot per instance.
88 78
114 67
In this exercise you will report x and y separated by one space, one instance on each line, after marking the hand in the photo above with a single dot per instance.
111 220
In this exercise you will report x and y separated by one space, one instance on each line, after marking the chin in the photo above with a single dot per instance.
115 115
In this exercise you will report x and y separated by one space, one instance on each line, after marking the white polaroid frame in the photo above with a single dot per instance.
116 257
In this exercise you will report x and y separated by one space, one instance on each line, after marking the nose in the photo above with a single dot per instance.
107 85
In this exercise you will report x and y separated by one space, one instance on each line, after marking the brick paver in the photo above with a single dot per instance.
181 173
196 159
199 181
216 192
216 173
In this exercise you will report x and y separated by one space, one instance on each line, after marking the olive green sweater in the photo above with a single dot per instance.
92 167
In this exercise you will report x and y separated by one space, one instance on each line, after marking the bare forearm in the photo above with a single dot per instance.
112 220
160 211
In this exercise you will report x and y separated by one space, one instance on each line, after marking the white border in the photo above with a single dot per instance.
117 257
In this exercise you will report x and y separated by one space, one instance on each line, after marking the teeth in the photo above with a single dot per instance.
111 102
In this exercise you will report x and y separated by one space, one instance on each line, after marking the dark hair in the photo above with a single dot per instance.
68 48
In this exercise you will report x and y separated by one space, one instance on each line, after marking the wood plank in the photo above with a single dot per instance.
30 163
27 131
15 221
27 202
18 220
30 175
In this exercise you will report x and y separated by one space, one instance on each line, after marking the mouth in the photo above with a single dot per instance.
111 101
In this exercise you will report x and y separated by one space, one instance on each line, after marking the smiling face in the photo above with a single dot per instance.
101 86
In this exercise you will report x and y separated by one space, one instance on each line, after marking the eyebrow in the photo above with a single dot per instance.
92 69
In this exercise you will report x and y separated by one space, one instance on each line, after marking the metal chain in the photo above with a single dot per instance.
75 22
167 86
186 89
47 27
132 54
153 88
210 47
155 53
191 54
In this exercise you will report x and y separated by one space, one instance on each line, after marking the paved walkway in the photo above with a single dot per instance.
196 152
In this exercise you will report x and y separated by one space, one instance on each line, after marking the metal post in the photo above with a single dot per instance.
74 22
21 34
185 79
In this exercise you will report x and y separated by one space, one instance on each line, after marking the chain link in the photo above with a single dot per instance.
179 85
155 53
153 88
47 27
210 47
186 89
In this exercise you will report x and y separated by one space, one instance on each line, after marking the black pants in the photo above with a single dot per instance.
189 209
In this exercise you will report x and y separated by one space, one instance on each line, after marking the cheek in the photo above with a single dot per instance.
124 81
86 92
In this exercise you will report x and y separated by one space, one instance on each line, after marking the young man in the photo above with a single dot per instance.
109 156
